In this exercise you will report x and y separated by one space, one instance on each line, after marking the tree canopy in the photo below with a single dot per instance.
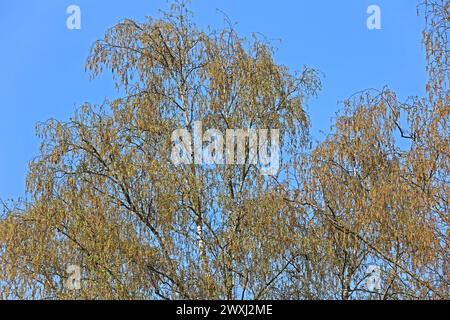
104 194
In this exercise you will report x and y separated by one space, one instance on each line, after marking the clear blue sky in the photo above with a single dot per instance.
42 62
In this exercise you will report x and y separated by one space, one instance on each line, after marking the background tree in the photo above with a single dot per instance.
377 189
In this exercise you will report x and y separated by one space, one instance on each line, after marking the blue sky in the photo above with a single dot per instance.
42 62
